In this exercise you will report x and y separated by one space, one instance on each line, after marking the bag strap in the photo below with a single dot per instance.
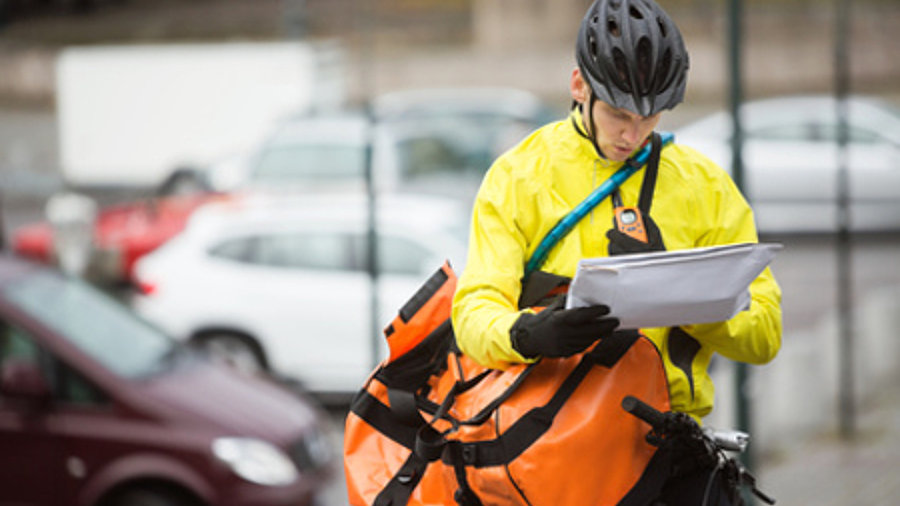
527 429
649 184
568 222
399 489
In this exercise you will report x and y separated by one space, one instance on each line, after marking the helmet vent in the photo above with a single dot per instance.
592 47
643 51
615 5
621 70
612 27
633 12
663 70
662 28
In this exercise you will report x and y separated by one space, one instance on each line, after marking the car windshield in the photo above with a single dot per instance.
95 323
310 162
457 144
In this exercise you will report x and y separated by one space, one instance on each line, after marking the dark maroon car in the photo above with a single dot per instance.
98 408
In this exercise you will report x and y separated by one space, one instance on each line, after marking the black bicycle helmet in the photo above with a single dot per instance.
632 55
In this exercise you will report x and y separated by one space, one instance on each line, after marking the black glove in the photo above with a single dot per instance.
621 243
557 332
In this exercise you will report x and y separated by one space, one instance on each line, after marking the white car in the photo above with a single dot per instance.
791 159
435 141
284 285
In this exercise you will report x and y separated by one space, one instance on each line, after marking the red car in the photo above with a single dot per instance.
122 233
99 409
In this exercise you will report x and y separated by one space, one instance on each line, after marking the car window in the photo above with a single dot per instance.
304 250
829 133
428 155
68 385
325 251
73 388
396 255
238 249
16 344
785 133
309 162
99 326
812 132
456 143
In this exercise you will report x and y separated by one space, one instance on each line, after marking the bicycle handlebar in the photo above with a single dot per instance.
679 425
643 411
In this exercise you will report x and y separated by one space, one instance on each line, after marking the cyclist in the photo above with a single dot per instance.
631 66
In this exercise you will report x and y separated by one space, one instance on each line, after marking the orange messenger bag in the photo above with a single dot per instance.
432 427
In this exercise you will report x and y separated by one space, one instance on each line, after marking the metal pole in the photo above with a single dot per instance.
846 402
294 18
366 20
742 373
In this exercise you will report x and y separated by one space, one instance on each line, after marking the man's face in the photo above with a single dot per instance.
618 132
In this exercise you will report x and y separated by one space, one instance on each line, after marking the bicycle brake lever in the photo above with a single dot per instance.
748 479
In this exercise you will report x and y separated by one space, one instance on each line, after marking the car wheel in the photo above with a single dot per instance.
237 351
147 497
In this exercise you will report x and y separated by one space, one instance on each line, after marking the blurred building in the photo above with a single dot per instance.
403 44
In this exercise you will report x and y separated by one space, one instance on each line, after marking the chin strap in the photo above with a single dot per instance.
589 126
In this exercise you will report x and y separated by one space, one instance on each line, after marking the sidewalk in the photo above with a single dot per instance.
828 471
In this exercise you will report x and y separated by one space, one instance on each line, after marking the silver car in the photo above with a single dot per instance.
791 161
283 285
433 141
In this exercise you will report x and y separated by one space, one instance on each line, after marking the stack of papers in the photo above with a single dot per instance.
668 288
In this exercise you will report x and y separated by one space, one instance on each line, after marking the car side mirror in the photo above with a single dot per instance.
23 379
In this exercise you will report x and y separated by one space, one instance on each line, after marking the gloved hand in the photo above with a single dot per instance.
557 332
621 243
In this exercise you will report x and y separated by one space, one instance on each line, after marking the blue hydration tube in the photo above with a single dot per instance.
568 221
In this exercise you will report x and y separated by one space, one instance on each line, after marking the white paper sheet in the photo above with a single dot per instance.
664 289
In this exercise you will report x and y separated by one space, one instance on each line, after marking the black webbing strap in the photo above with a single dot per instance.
382 419
650 484
649 184
405 406
645 200
411 370
399 489
540 288
486 411
609 350
526 430
464 495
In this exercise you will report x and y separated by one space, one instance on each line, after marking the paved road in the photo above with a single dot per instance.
829 471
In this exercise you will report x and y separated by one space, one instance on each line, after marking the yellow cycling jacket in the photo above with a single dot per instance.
526 192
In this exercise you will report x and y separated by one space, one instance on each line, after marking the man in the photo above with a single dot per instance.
632 65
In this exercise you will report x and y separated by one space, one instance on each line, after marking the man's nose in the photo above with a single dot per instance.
632 133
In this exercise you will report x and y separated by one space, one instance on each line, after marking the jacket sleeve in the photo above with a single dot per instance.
753 335
485 304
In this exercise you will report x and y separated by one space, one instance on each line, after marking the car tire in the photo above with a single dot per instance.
237 351
149 497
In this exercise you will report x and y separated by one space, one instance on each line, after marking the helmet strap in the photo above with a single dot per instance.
589 126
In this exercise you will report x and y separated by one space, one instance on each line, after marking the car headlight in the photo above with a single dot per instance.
255 460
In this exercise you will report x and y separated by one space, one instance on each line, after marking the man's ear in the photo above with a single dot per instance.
578 87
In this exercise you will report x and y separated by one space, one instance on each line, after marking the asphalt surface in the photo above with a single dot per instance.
829 470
